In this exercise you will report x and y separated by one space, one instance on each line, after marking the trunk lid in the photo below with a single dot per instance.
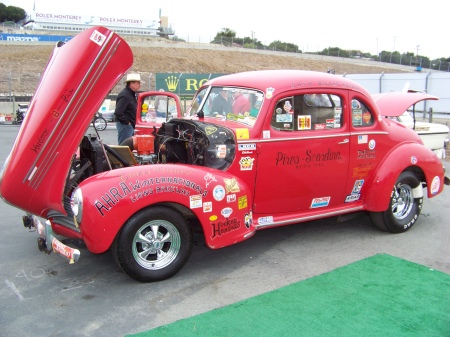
393 104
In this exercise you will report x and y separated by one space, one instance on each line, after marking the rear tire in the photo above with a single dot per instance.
153 245
404 209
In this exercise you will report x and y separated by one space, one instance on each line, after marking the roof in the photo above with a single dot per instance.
286 80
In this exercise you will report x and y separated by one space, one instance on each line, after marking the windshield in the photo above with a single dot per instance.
228 103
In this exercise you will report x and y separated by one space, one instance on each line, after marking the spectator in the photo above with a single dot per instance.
241 103
126 106
161 105
221 104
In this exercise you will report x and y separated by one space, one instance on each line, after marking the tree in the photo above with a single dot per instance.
225 36
11 13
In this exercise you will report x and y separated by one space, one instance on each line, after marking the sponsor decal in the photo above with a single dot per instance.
372 144
304 122
435 184
366 154
231 197
266 133
269 92
356 116
221 151
225 226
142 188
210 130
248 219
357 187
330 123
308 159
366 117
98 37
361 171
362 139
207 206
246 163
283 118
242 202
319 126
265 220
219 193
195 201
247 147
320 202
242 133
247 152
226 212
63 250
209 178
213 218
36 146
413 160
231 185
352 197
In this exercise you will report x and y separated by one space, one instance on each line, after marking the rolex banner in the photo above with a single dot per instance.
182 84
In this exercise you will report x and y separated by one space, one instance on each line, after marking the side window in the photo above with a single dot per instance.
283 116
308 112
361 115
158 108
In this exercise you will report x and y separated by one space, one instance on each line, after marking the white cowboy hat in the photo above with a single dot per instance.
133 78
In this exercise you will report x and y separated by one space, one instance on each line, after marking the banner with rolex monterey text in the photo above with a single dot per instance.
181 83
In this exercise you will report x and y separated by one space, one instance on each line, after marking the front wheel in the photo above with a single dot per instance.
154 244
404 209
99 123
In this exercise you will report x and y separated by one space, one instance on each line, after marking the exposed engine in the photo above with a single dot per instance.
177 141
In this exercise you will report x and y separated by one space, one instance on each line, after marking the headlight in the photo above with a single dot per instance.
76 203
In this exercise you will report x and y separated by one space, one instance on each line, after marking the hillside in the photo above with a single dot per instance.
23 64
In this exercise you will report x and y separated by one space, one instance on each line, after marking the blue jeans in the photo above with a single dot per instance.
124 131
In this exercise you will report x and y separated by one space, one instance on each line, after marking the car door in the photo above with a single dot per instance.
303 154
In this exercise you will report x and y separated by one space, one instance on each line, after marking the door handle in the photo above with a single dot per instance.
345 141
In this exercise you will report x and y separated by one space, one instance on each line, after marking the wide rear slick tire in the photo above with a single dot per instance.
404 209
154 244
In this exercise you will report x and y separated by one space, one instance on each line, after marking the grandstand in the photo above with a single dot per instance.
73 24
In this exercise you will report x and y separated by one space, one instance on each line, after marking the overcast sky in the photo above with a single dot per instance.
314 25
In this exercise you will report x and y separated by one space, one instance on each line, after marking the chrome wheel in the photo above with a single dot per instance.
404 207
402 201
156 244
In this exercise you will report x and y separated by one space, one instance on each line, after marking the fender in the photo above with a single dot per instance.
220 201
407 156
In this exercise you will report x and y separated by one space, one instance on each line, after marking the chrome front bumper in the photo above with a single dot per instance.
47 238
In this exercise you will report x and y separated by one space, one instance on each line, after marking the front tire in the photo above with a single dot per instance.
404 209
154 244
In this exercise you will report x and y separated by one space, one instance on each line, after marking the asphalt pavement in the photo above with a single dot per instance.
42 295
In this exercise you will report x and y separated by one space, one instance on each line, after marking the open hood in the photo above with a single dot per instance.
393 104
78 77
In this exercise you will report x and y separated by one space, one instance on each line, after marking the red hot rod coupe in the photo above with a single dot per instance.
255 150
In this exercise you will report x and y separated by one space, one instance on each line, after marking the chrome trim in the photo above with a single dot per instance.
310 217
279 139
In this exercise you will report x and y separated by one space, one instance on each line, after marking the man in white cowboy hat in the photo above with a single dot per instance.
126 104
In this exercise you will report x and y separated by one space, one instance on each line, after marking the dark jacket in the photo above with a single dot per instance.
220 105
126 106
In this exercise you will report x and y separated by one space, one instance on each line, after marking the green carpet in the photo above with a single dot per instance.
378 296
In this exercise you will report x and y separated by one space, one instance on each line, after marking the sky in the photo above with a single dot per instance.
390 25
